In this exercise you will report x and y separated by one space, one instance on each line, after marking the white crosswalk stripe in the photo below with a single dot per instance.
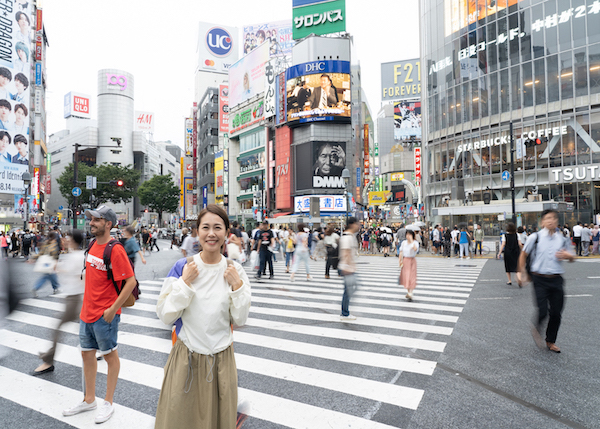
299 365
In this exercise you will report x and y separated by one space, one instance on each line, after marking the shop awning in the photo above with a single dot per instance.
282 214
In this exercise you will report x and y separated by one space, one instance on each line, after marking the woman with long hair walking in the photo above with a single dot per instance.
408 264
512 246
331 242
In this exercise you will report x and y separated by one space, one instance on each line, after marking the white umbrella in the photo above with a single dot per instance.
420 224
413 227
386 229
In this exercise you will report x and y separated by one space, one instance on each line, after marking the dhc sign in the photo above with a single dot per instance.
313 68
218 41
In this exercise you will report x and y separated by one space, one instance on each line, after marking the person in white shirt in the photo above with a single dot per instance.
191 244
203 298
577 237
408 263
455 233
347 265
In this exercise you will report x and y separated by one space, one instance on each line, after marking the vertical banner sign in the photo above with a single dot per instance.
358 177
366 149
189 125
38 20
223 108
418 165
38 74
189 197
270 89
48 184
38 47
281 102
195 151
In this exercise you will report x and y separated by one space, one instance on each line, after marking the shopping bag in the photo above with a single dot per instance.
254 260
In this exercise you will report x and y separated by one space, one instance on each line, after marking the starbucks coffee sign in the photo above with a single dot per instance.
505 139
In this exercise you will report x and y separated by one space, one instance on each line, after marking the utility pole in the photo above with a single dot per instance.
512 175
75 183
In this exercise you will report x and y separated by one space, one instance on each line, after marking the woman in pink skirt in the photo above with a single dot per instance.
408 263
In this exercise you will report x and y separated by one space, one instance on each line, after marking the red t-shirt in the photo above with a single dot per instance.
100 292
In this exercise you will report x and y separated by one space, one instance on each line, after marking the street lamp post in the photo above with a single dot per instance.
346 177
26 181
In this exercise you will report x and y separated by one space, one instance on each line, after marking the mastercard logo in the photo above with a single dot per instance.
209 63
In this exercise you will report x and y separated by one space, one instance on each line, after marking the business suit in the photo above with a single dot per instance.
316 97
303 97
18 159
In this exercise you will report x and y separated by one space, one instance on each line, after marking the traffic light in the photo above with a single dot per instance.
118 183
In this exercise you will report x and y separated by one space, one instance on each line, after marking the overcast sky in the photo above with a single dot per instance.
156 42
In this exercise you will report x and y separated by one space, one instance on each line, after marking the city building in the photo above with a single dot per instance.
108 139
530 65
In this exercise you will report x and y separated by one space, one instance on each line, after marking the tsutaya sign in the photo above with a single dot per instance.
583 173
480 144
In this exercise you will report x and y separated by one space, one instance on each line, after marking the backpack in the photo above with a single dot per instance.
27 240
135 293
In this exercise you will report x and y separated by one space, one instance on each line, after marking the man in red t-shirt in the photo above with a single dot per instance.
100 312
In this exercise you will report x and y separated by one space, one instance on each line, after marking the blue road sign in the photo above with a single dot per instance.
60 207
505 175
76 191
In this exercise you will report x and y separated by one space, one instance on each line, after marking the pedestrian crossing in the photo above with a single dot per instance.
298 365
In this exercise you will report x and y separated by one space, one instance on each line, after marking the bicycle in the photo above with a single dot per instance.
484 250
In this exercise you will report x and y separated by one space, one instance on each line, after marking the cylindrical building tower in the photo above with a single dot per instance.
115 116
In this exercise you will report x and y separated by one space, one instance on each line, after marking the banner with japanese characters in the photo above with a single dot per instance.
318 17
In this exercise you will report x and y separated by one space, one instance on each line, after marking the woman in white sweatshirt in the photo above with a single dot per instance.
203 297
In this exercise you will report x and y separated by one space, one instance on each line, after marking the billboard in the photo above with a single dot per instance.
318 17
280 100
15 98
217 47
77 104
246 117
144 121
378 198
401 79
328 203
407 120
247 76
319 165
461 13
270 84
278 35
223 108
219 174
318 91
188 135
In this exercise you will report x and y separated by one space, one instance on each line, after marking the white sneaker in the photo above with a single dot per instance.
105 412
468 257
348 317
79 408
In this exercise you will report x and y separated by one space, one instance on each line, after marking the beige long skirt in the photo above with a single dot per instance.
198 391
408 274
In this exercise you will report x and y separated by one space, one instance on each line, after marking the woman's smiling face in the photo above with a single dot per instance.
211 232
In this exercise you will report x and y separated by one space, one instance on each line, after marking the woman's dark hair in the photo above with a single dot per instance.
77 236
520 230
214 209
511 228
410 232
301 227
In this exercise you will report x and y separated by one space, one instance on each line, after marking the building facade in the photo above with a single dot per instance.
534 65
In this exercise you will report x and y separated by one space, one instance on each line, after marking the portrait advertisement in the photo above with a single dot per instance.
407 120
329 160
15 104
319 92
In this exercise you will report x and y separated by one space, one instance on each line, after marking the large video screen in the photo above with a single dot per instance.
319 165
407 120
318 91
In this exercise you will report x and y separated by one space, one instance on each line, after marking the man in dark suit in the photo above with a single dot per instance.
303 95
324 96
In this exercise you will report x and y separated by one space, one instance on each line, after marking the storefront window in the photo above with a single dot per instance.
252 141
526 40
566 75
495 159
468 164
553 76
457 103
551 45
437 164
568 144
584 155
502 47
252 162
485 160
537 37
578 25
475 99
527 85
491 49
539 82
564 28
513 22
556 192
504 91
494 93
516 87
444 158
483 97
594 64
595 135
581 73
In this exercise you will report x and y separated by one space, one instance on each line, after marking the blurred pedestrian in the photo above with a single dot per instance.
301 253
131 245
463 242
290 245
511 245
69 270
154 240
14 245
51 249
347 265
408 264
331 242
4 243
586 238
203 298
191 244
547 249
595 239
26 243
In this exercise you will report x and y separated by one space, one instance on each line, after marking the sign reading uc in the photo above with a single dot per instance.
218 41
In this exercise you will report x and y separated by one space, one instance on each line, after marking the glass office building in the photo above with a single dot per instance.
488 64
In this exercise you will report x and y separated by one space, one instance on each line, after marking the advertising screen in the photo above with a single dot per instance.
318 91
407 120
15 98
223 108
247 76
461 13
326 161
278 35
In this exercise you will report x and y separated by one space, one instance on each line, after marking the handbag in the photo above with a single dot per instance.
233 251
45 264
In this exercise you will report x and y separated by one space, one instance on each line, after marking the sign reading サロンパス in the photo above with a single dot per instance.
318 17
401 79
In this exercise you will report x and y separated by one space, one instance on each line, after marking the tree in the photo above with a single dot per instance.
104 192
160 194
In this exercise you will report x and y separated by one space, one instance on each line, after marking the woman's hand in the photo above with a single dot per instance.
233 278
190 272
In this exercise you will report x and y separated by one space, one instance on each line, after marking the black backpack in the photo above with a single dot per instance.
27 240
135 293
